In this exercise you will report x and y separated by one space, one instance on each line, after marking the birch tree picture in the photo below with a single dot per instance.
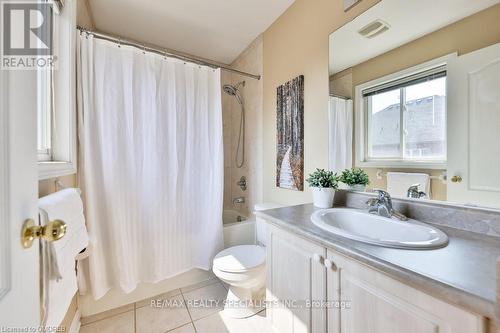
290 135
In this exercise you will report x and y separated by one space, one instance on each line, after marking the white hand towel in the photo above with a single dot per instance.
399 182
59 275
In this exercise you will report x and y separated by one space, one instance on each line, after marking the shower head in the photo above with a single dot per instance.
232 90
229 89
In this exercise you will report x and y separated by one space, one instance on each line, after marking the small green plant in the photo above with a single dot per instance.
354 177
323 178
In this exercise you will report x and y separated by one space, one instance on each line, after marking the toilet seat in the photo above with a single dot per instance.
243 268
239 259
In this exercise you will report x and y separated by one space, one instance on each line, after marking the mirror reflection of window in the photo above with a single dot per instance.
407 118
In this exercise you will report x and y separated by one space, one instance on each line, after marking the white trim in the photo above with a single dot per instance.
75 323
115 297
359 113
64 147
55 169
5 251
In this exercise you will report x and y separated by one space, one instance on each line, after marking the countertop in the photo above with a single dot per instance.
462 273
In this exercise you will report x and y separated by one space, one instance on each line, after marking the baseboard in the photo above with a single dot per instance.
116 298
75 323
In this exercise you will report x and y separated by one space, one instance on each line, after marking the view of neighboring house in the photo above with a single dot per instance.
424 128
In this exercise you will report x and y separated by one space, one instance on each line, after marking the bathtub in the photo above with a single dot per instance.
237 232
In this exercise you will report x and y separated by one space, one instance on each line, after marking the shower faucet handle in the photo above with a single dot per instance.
242 183
239 200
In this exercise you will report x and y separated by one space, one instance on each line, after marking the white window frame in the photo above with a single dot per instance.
361 123
44 125
63 132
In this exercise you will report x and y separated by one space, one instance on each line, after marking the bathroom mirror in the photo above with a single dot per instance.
415 99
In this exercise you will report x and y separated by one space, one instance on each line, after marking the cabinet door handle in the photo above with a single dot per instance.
330 265
318 258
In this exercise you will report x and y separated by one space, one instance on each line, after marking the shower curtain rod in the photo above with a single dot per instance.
163 52
339 96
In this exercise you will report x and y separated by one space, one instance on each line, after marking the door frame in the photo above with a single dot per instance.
5 246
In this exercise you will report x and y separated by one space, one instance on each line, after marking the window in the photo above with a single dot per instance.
45 100
56 99
404 119
44 115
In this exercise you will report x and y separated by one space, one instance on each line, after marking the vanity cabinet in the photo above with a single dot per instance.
356 298
295 273
378 303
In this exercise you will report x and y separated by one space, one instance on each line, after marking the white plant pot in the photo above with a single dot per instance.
357 188
323 196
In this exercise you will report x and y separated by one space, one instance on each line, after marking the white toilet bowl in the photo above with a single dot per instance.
243 268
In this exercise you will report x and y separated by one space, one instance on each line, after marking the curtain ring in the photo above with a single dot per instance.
119 42
165 54
144 48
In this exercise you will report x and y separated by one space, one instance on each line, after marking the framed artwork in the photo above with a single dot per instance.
290 135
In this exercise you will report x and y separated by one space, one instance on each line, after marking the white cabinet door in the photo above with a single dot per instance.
19 282
334 301
474 127
379 304
295 276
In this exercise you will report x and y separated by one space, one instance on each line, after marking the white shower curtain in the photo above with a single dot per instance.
151 164
340 134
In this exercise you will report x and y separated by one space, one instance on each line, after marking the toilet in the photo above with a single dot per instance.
243 268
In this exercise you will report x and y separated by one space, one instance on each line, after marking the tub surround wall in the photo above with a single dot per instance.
249 61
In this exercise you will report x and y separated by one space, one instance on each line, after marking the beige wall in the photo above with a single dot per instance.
341 84
472 33
48 186
84 15
249 61
297 43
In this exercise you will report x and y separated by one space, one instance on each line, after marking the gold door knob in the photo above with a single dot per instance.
456 179
50 232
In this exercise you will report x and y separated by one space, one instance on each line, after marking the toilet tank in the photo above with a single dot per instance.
260 224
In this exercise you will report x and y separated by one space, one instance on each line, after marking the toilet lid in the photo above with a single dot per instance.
240 258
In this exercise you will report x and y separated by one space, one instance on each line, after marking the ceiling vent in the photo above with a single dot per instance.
374 28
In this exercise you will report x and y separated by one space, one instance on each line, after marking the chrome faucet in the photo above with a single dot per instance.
242 183
382 205
414 193
239 200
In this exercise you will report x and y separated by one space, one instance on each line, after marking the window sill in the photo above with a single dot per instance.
401 164
54 169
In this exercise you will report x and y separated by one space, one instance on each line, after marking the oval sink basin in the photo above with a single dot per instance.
374 229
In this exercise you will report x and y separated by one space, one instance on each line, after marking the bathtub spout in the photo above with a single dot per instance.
239 200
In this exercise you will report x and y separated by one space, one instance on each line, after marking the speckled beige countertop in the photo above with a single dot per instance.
462 273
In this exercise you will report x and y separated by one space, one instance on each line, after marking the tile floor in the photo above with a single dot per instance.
168 313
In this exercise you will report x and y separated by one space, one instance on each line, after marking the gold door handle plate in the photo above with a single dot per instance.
456 179
50 232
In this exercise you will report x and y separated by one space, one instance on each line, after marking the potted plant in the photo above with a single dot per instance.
323 185
356 179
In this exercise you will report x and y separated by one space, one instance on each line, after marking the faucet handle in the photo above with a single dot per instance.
382 193
414 187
